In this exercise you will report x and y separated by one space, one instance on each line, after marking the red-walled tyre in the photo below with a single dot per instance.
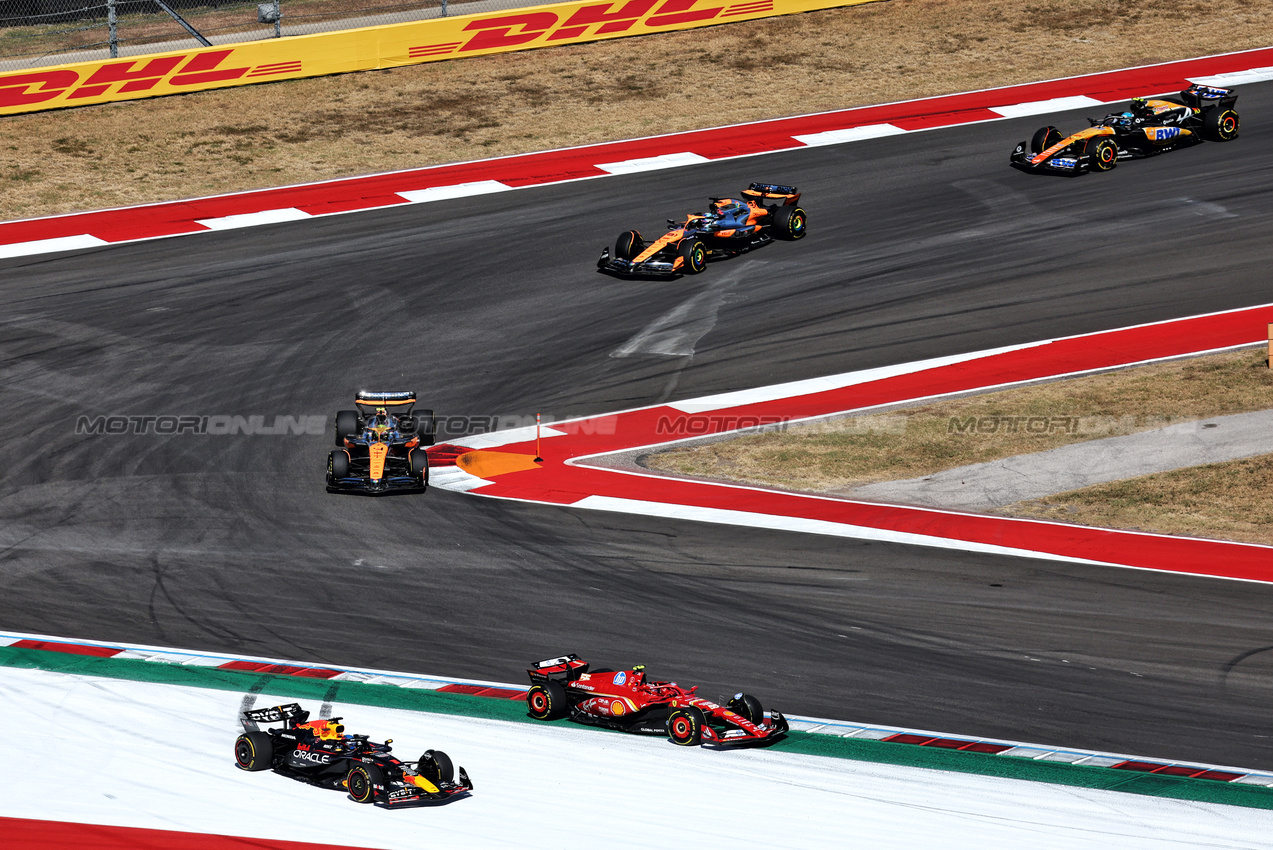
546 700
685 726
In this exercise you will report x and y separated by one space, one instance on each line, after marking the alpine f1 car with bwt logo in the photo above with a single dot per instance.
381 446
320 753
630 701
1147 128
730 227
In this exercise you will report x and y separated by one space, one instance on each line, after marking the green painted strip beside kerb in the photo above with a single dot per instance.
804 743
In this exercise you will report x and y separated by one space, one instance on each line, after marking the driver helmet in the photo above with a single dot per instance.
1140 106
638 674
379 424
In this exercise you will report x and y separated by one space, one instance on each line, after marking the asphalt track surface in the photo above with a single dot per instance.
920 246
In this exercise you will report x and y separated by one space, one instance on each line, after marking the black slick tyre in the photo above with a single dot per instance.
628 245
1220 125
419 461
546 700
426 426
254 751
693 255
361 782
338 465
748 706
1044 138
436 767
790 224
685 726
346 425
1102 154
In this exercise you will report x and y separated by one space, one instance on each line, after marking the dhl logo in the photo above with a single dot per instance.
368 48
188 70
503 32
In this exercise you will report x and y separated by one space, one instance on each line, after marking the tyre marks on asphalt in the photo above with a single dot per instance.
678 331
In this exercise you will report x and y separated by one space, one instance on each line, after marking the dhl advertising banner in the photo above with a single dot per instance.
366 49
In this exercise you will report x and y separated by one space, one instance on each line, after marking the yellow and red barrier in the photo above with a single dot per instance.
370 48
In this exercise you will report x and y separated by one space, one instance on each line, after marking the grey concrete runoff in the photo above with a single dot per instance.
985 486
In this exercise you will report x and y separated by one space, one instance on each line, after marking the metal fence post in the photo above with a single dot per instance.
278 17
110 25
444 8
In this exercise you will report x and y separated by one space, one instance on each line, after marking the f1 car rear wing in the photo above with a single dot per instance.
789 194
1202 97
567 668
292 713
398 403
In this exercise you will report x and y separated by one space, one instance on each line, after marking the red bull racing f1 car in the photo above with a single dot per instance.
730 227
320 753
630 701
1147 128
381 446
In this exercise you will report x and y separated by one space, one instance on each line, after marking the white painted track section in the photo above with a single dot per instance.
127 753
49 246
1043 107
256 219
653 163
851 134
459 190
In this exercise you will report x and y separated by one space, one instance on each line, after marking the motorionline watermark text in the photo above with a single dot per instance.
695 424
265 425
218 424
1063 424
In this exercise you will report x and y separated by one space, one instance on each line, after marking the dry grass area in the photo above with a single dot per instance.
305 130
909 443
1229 501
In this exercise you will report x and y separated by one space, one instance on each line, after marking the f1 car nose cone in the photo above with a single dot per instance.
487 464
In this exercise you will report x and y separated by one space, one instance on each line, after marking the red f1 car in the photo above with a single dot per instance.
630 701
320 753
730 227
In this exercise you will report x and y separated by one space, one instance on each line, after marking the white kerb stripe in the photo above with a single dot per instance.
233 222
775 392
508 436
1042 107
850 134
749 519
455 479
1236 78
458 190
652 163
50 246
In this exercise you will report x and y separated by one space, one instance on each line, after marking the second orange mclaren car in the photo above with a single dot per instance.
731 226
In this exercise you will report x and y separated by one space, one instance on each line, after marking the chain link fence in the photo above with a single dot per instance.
34 33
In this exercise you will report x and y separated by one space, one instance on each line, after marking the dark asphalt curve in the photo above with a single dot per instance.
920 246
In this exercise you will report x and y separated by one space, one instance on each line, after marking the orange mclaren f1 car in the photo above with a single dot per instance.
381 446
1147 128
730 227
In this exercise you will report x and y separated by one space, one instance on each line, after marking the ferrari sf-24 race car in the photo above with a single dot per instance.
320 753
381 446
1147 128
729 227
630 701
